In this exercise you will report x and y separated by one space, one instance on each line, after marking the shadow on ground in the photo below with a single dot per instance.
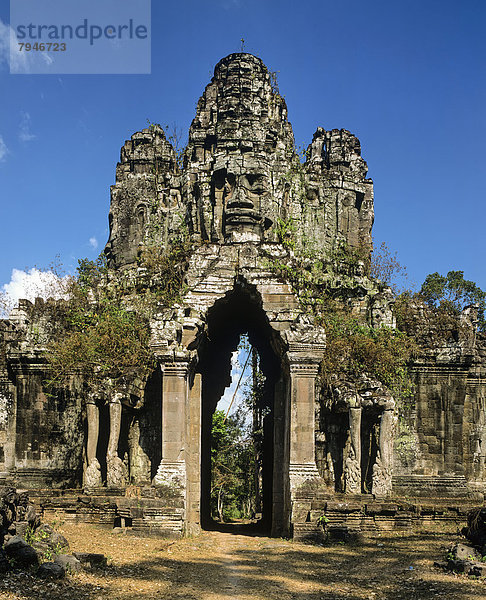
219 566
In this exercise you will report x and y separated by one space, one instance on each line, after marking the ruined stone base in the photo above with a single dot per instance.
154 511
36 478
147 511
171 475
424 486
363 515
303 475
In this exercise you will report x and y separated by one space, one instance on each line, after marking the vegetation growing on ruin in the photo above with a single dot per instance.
101 338
353 346
103 326
285 232
432 315
162 270
385 266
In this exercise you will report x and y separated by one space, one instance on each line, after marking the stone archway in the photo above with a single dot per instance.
291 348
240 312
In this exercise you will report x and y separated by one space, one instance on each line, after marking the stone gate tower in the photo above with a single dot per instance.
249 208
240 183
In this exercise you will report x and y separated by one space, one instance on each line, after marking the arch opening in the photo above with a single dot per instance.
239 315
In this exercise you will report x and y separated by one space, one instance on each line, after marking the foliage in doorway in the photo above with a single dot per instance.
232 462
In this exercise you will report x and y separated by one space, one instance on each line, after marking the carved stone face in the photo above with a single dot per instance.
241 197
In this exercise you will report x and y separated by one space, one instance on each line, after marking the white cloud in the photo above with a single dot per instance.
32 284
4 43
93 242
19 61
3 149
25 134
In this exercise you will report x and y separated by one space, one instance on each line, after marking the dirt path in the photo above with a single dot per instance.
221 566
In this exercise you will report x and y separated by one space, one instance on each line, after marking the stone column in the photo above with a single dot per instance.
193 457
382 469
92 474
303 373
172 470
8 400
93 417
352 465
116 475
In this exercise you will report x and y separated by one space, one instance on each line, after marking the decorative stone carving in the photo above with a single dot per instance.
352 467
92 474
141 210
116 472
304 335
171 475
381 309
382 469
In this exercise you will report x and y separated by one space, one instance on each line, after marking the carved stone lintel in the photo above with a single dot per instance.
303 366
177 368
305 337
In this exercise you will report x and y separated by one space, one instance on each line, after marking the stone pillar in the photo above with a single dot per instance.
92 474
8 408
172 470
116 473
382 469
193 457
302 460
139 462
352 464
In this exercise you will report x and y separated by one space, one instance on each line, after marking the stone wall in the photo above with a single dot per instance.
441 449
42 433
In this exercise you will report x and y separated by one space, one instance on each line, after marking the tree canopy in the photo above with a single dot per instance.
452 292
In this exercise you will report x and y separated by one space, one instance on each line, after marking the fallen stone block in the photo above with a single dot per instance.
478 569
20 552
50 570
68 562
91 560
459 566
464 552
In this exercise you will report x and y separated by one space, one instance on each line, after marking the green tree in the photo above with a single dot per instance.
386 267
232 465
353 348
452 293
98 335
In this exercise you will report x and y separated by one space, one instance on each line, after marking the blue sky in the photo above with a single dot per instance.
408 78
